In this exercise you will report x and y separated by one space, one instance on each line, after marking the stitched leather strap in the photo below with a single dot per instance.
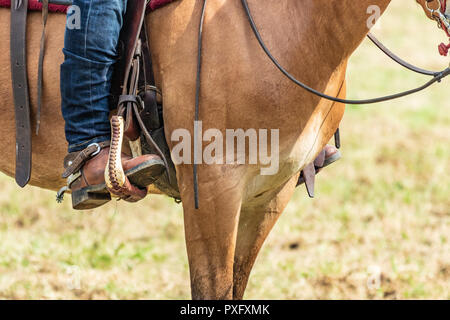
20 90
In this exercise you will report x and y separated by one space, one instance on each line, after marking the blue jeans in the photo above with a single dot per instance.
90 51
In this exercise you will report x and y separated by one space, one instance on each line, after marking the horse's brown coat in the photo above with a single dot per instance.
313 39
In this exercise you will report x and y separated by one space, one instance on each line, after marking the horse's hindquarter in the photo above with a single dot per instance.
240 87
49 146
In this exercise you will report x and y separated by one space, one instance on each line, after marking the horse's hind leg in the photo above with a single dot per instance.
255 223
211 232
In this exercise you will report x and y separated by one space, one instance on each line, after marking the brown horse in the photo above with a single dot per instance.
313 39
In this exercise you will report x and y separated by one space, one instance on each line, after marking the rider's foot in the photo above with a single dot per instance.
332 154
89 189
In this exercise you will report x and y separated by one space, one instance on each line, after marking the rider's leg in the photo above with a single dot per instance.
90 53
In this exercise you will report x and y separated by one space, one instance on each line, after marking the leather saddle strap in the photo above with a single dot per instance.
20 90
147 57
136 9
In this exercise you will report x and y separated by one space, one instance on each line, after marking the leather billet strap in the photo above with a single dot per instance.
129 35
150 112
20 90
41 63
75 160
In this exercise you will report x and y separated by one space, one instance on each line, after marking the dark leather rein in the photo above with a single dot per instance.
437 76
399 60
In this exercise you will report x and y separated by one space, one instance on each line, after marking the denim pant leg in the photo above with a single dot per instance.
90 51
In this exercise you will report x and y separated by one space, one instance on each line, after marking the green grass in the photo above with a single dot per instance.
383 208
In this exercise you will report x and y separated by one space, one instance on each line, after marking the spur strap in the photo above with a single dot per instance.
19 10
74 161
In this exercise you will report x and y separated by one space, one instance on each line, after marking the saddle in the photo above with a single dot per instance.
133 87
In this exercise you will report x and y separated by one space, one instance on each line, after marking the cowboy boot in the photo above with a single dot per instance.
85 171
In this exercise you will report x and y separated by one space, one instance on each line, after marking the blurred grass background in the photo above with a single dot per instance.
379 227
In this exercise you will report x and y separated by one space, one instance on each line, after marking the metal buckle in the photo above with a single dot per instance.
153 88
98 149
441 17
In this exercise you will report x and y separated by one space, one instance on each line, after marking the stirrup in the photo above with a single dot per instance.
308 174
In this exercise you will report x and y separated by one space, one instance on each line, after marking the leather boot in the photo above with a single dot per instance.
88 182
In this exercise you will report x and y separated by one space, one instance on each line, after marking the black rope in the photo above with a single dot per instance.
437 77
197 100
